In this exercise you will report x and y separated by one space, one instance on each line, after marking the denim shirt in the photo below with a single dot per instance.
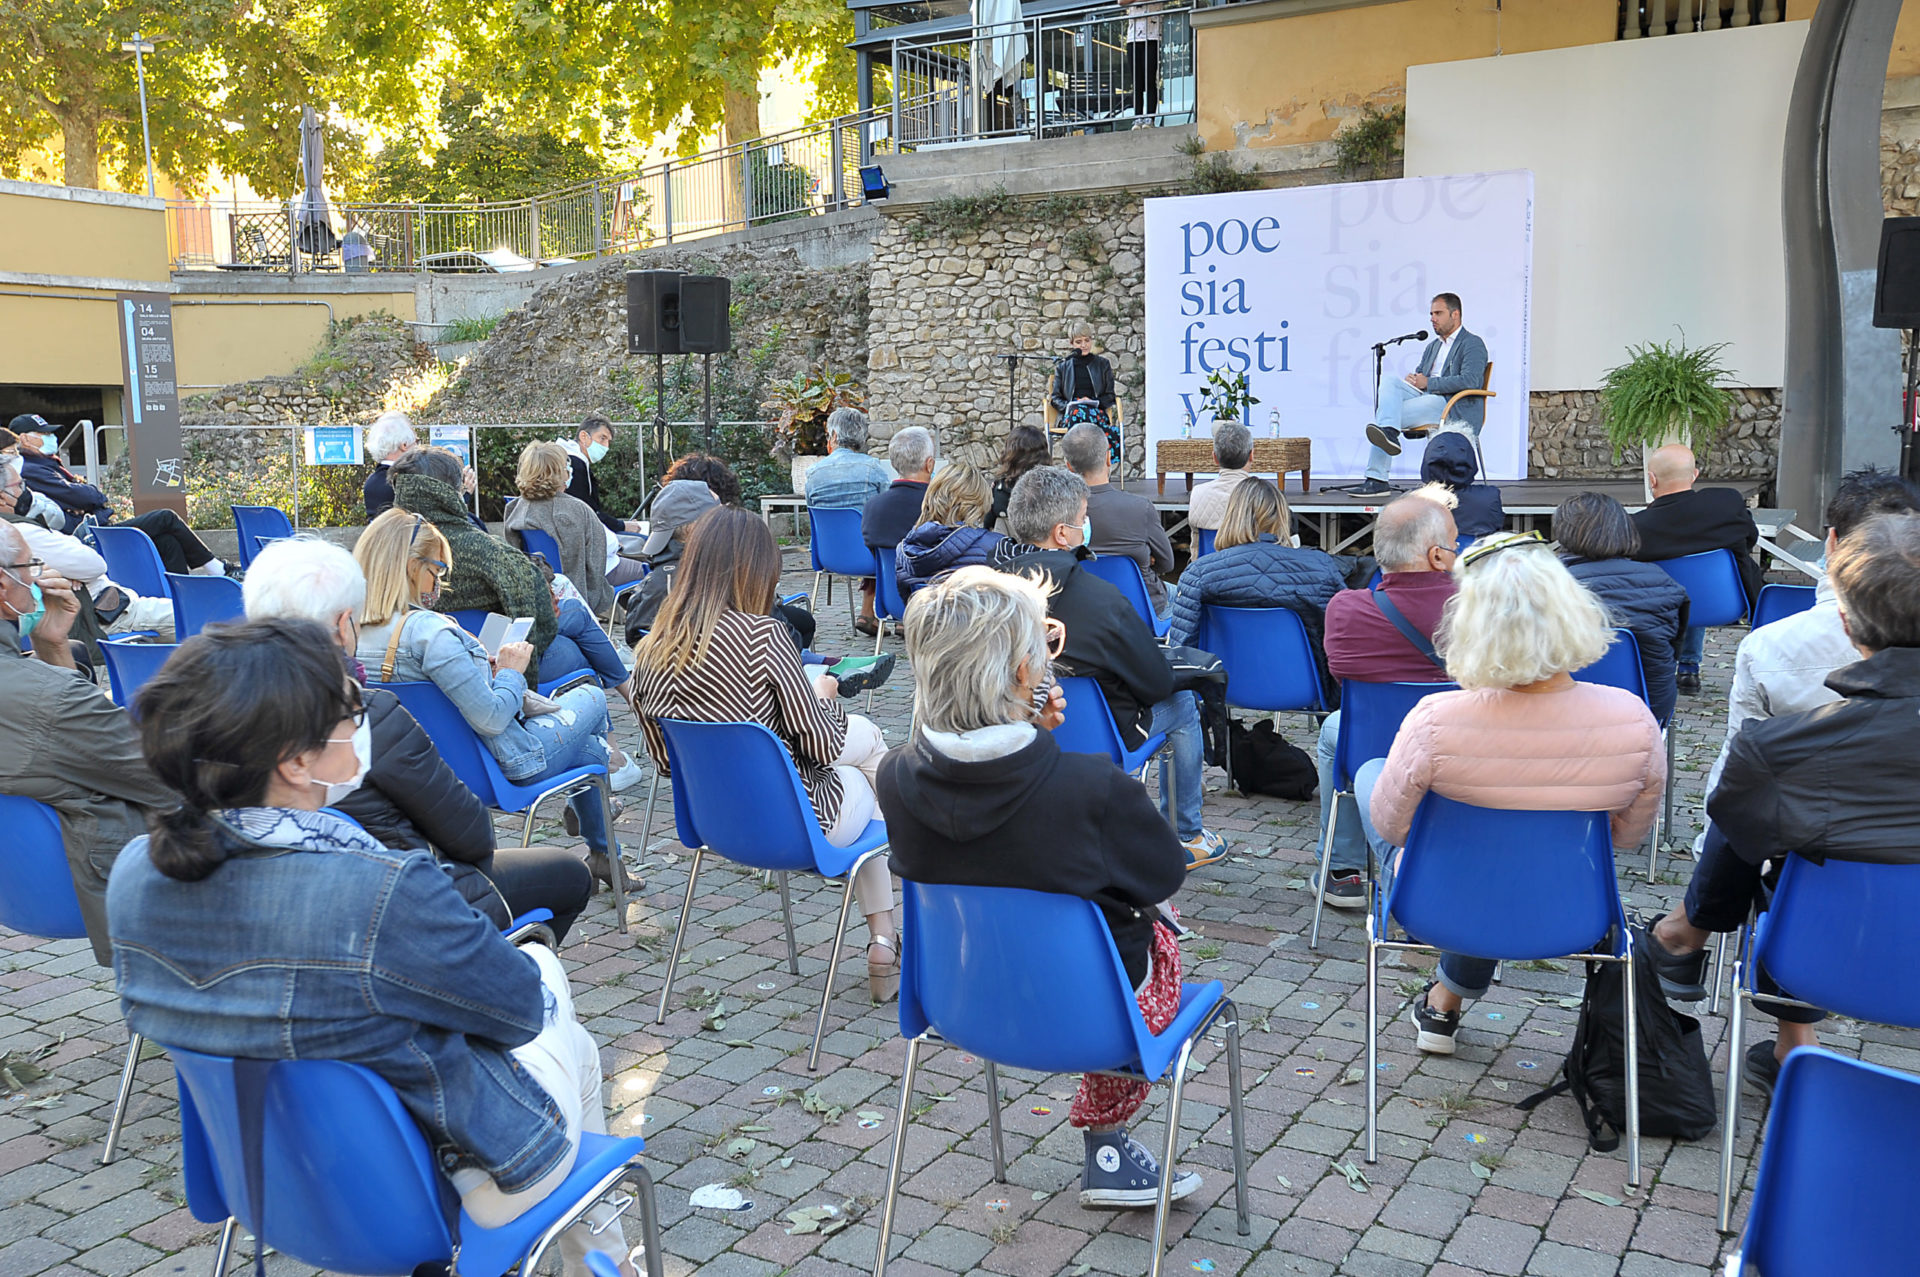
433 648
845 479
313 941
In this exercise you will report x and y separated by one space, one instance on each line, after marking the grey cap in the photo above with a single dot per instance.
679 503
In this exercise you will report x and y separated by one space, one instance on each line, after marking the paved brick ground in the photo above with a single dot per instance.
1465 1182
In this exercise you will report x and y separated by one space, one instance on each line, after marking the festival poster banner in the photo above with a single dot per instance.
1293 287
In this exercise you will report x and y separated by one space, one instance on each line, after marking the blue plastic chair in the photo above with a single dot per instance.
1124 575
534 541
132 560
130 665
1370 717
1838 1174
1269 660
200 601
474 764
1711 578
713 768
1777 602
255 525
1508 885
1203 541
1092 731
1623 667
1031 980
350 1184
37 899
1834 937
837 549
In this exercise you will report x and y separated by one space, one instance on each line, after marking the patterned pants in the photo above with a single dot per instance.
1110 1101
1080 413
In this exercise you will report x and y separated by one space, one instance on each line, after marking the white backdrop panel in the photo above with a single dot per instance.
1294 286
1657 170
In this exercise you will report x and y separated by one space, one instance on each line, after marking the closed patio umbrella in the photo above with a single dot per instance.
312 222
1003 47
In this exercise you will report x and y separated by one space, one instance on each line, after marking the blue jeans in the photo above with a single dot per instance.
580 743
581 645
1693 646
1349 840
1468 978
1402 406
1179 717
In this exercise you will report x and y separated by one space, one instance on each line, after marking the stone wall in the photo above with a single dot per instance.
1567 441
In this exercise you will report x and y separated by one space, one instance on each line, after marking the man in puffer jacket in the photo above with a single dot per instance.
1597 541
1449 460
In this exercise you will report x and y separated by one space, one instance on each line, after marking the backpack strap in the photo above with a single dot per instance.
1398 619
393 645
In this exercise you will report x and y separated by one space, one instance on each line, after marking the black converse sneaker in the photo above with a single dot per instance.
1436 1027
1120 1174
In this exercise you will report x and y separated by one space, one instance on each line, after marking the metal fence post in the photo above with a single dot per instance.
533 227
746 184
666 198
894 97
294 430
838 160
599 220
293 240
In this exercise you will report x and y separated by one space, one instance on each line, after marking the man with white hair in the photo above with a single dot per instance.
390 435
410 799
846 479
890 515
1683 519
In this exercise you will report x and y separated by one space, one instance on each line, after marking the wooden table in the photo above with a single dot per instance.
1270 456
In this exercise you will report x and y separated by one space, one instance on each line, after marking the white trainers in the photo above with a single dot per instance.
625 777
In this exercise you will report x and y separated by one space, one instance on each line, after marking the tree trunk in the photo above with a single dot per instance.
80 149
740 122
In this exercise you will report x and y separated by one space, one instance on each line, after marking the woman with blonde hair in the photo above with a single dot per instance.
1255 564
715 655
952 532
589 552
984 797
1520 735
402 640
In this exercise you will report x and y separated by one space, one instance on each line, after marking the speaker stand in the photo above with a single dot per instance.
1908 406
706 402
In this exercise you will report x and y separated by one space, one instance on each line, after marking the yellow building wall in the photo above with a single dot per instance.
55 342
222 344
49 233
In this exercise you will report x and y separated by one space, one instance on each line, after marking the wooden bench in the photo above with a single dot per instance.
1276 457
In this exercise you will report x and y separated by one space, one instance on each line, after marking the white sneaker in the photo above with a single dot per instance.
212 567
625 777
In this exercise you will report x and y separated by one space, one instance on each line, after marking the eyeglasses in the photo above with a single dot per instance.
1056 637
418 520
32 567
1486 549
357 715
436 567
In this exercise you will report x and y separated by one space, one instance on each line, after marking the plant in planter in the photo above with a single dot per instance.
1227 396
1666 393
801 405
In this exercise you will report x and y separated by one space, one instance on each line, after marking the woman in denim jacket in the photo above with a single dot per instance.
250 923
401 641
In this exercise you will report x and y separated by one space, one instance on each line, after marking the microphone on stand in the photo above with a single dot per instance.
1395 341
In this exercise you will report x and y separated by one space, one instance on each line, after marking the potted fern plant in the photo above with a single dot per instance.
1666 392
801 405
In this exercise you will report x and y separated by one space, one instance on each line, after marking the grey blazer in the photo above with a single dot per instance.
1466 369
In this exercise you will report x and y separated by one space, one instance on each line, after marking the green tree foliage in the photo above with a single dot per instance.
480 153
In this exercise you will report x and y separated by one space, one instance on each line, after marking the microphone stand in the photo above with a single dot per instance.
1013 359
1379 372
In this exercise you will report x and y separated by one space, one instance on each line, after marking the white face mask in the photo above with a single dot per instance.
362 739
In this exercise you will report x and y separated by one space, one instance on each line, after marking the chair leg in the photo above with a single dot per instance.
224 1251
1373 1037
119 1119
646 828
1326 867
1730 1124
1236 1109
813 595
1665 829
615 866
1633 1073
1164 1206
649 1221
1719 971
786 912
1499 969
679 934
892 1192
833 962
993 1124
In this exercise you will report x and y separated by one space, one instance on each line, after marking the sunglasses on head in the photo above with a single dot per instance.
1488 547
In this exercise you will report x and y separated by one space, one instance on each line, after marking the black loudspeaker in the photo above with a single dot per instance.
1896 294
653 312
705 326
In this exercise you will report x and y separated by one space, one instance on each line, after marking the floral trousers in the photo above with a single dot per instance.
1110 1101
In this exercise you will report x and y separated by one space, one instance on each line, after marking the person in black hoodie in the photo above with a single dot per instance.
982 796
1598 543
1449 461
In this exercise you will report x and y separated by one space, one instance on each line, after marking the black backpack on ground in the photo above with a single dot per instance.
1676 1086
1265 762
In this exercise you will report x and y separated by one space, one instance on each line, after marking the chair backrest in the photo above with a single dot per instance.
540 543
1514 885
1836 936
347 1177
886 586
1028 979
470 619
200 601
452 736
1619 667
715 765
36 884
1269 658
1204 543
1124 574
252 523
1711 579
1088 727
132 560
1839 1170
833 537
1370 717
130 665
1778 601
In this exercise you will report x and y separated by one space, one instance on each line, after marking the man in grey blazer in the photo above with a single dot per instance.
1455 360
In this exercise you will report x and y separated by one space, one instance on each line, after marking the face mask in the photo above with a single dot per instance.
337 790
596 452
23 504
27 620
1086 532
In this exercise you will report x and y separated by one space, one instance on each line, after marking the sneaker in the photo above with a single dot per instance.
872 672
1344 890
1371 488
626 776
1436 1027
1385 438
1688 680
1416 432
1682 976
1204 848
570 819
1120 1174
1762 1069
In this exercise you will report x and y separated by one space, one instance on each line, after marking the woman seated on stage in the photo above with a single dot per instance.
984 797
952 532
1597 543
1255 564
715 655
1521 734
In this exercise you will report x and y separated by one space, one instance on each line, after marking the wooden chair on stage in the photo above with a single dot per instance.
1446 414
1056 431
